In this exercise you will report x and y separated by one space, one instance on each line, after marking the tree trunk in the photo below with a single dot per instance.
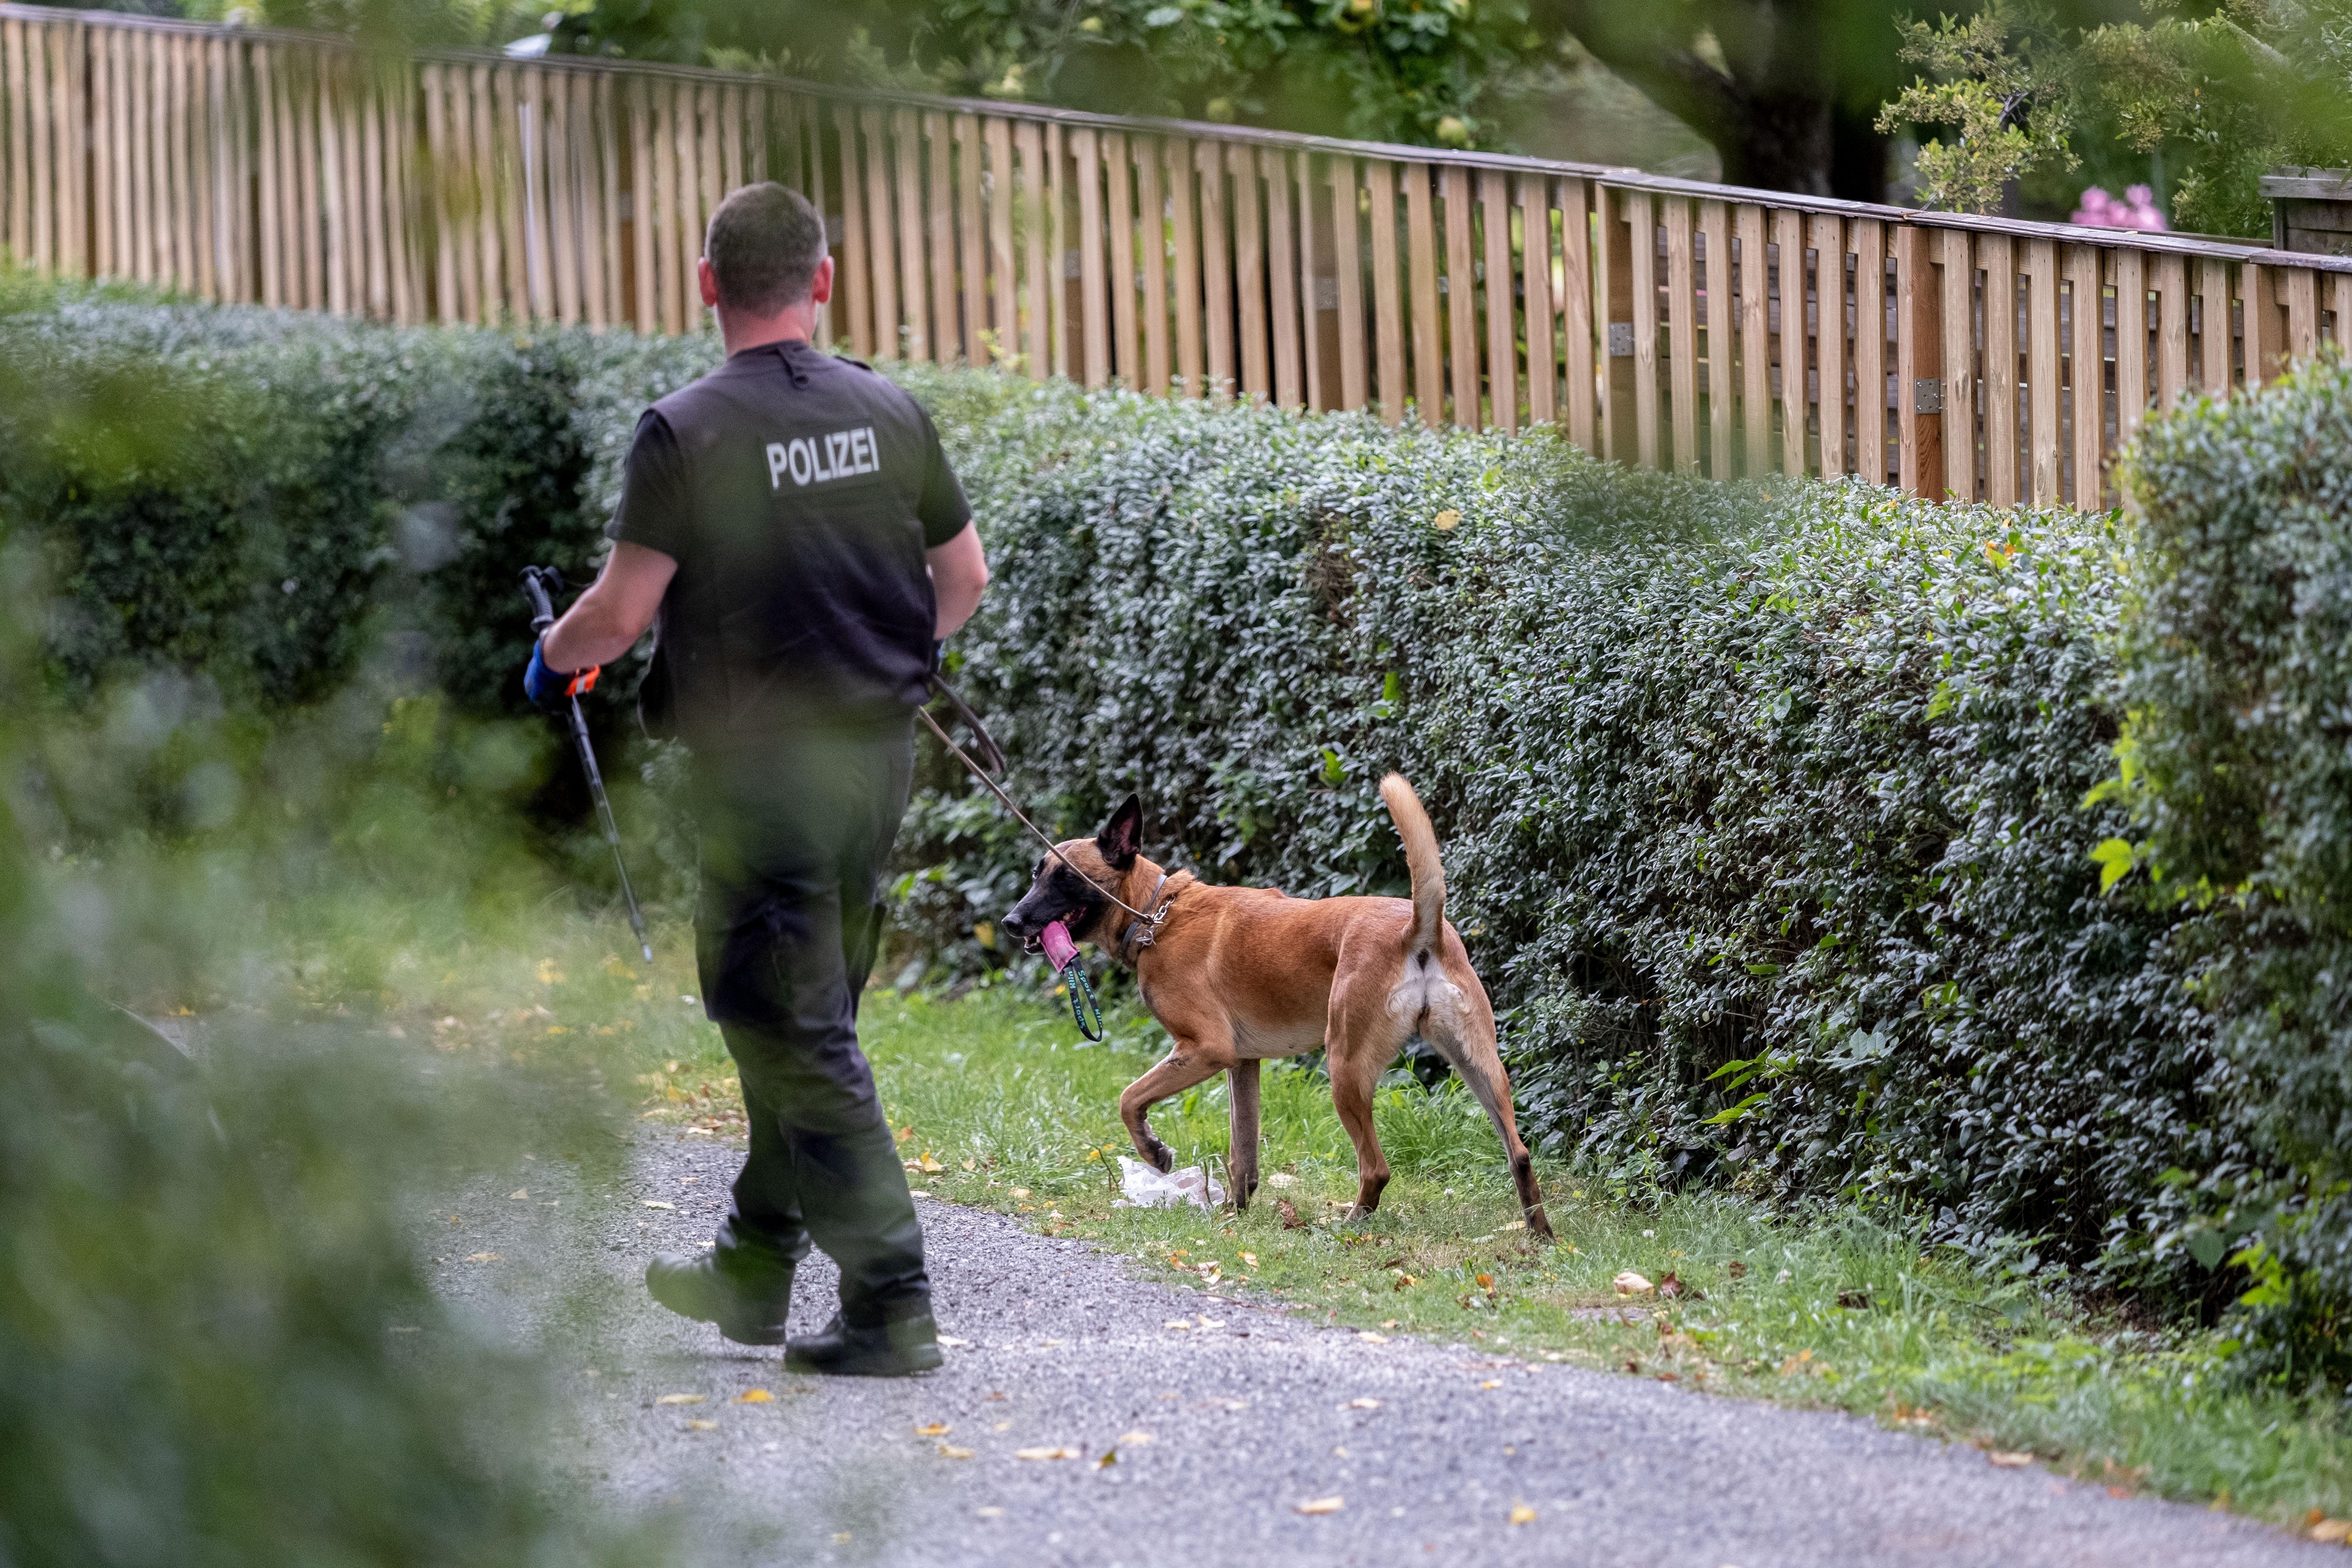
1804 145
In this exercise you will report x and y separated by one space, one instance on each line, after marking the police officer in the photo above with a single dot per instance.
789 528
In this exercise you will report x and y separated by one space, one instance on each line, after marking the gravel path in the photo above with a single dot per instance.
1221 1429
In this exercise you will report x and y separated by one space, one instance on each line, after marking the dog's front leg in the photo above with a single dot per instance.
1183 1068
1241 1151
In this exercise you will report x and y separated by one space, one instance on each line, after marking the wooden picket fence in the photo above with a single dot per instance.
1664 323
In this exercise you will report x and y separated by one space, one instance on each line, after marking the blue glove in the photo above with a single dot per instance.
546 687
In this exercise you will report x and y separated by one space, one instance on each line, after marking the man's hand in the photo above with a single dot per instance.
547 687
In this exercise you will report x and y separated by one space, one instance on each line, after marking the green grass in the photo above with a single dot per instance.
1000 1104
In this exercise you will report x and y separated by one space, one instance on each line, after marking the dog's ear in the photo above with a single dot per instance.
1122 835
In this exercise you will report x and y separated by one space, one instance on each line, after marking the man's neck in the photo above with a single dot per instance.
794 324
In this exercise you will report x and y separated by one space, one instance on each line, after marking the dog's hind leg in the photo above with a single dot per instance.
1463 1034
1240 1153
1178 1070
1359 1040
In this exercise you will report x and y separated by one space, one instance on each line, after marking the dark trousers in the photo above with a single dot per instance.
795 831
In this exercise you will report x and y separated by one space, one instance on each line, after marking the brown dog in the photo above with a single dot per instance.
1238 974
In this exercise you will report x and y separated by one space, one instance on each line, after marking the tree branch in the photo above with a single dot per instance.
1665 68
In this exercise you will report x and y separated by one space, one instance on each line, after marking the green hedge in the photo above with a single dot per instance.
1764 807
2238 678
1762 810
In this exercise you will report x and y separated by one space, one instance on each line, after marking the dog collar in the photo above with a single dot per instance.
1140 933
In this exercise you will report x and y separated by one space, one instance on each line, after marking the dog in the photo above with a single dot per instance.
1237 976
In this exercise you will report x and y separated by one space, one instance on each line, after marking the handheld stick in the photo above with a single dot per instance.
536 583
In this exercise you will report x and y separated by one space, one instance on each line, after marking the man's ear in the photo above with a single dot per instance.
1122 835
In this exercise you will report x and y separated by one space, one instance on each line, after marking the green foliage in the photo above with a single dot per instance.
1762 810
1427 71
2237 671
2004 88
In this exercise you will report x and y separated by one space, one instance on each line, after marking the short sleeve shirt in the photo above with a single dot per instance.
797 492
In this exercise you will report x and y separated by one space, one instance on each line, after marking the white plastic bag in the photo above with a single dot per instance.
1146 1188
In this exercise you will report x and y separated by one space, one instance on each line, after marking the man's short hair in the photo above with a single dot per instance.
764 243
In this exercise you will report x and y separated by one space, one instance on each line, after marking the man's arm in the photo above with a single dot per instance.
959 573
606 621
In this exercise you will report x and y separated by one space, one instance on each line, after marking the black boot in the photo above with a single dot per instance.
707 1290
889 1349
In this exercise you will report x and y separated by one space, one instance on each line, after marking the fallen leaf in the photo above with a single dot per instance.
1177 1323
1445 520
681 1399
2332 1529
1388 1323
1522 1514
484 1258
1361 1402
1289 1213
1250 1258
1631 1284
2007 1461
1281 1179
702 1426
927 1165
1208 1322
967 1165
1486 1281
1515 1224
1672 1287
949 1451
990 1512
1854 1301
1110 1458
952 1343
656 1204
1138 1440
755 1396
1044 1453
517 1195
1020 1192
936 1429
1319 1505
1371 1337
1737 1269
1491 1383
904 1133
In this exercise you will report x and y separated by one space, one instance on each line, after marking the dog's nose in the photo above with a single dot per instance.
1012 925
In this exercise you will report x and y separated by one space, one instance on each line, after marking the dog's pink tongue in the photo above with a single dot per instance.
1059 948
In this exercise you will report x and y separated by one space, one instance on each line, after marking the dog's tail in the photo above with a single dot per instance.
1420 858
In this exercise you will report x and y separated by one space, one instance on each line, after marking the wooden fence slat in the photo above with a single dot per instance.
1350 324
1681 333
971 247
1535 282
1795 334
685 235
16 67
195 126
1003 269
641 282
1057 215
1420 262
1826 236
484 126
1502 326
882 245
853 286
1282 277
1642 273
1029 144
1191 364
709 186
1250 267
1612 309
1574 198
2086 396
2339 300
600 237
69 73
146 174
1869 349
2265 323
1300 177
374 187
335 197
1118 220
1461 296
1217 266
1755 343
506 100
1918 362
2170 274
2040 269
2213 326
1998 259
2302 298
1716 317
940 238
1960 358
2127 268
911 328
1093 320
1151 235
1388 292
565 188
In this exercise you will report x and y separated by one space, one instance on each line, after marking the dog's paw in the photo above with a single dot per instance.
1162 1157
